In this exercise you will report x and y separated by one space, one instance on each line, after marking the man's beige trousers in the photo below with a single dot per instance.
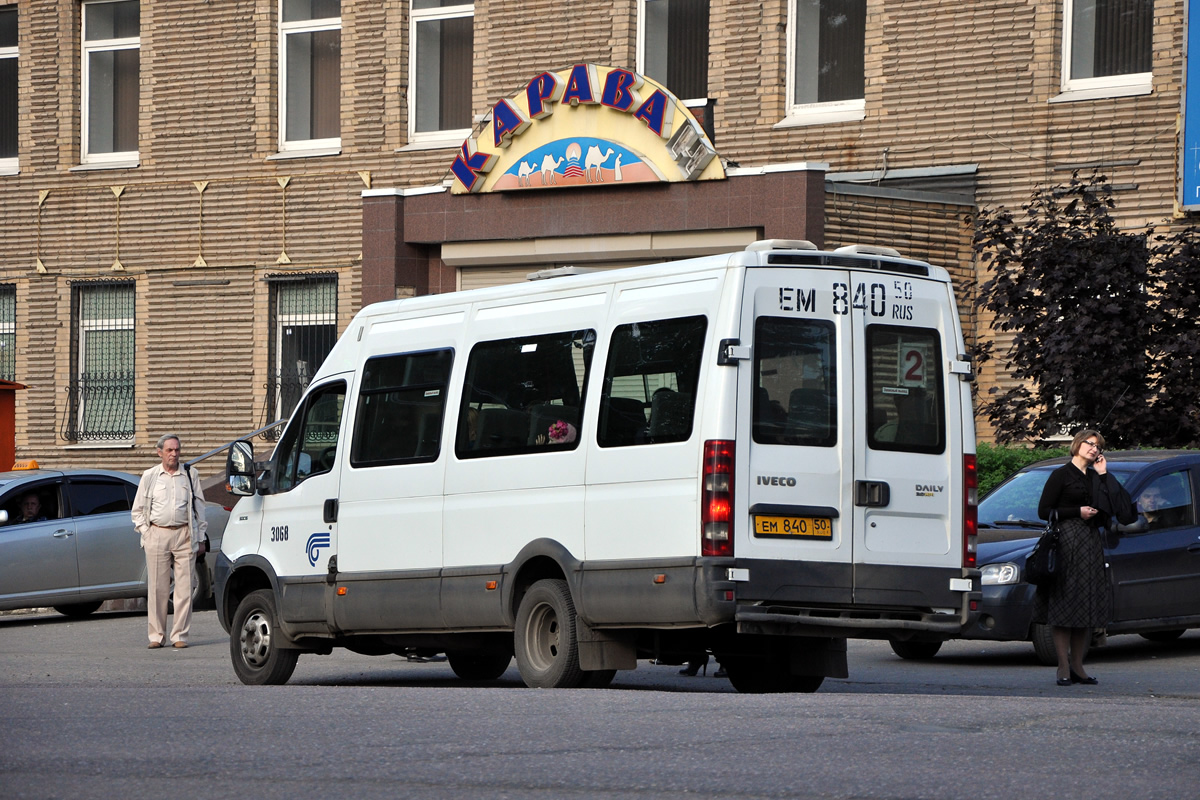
168 548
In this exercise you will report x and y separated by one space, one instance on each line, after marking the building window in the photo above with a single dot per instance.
310 69
443 43
8 332
1107 45
826 59
303 318
111 58
8 89
674 45
101 390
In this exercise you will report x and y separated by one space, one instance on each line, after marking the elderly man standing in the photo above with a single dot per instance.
168 512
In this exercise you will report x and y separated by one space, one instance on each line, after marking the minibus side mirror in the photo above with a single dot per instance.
239 469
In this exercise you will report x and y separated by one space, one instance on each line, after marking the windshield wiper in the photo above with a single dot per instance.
1018 523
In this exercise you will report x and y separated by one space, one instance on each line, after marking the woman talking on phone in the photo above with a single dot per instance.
1086 497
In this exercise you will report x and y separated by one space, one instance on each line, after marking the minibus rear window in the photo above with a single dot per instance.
906 406
650 382
795 382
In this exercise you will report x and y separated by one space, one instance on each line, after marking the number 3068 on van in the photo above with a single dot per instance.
755 455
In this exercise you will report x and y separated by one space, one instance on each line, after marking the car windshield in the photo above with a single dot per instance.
1014 503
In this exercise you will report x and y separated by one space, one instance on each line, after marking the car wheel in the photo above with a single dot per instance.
915 651
767 675
544 639
253 642
1043 645
1163 636
198 582
77 610
479 665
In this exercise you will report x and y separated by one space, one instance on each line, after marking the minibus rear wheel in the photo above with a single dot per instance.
767 675
479 665
254 642
544 639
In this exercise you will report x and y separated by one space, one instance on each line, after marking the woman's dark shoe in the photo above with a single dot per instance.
1065 681
1088 681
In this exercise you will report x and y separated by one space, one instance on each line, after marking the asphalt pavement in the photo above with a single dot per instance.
89 712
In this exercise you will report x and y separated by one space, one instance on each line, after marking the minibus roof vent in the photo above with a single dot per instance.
559 272
780 244
845 260
869 250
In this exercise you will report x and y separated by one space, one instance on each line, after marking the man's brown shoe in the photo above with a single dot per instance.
154 645
180 645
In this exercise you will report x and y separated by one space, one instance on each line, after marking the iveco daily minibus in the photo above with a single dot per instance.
756 455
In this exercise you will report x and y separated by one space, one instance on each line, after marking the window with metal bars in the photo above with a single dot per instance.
101 388
8 332
303 320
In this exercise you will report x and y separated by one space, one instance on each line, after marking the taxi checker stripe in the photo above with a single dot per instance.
315 542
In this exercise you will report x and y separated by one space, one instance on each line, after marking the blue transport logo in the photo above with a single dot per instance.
315 543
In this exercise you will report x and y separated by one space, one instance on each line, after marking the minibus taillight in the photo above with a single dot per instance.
716 513
970 510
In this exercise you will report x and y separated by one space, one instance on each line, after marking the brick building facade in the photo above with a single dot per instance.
195 198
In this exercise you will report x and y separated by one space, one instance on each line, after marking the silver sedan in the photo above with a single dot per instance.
67 541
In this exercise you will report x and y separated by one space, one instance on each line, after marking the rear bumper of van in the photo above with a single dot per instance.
855 601
779 598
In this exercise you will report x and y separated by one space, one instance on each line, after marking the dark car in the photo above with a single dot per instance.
1153 564
67 541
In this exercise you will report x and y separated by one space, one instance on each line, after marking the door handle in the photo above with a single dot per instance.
872 494
63 533
330 510
1194 548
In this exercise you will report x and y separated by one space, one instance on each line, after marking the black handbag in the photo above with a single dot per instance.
1041 566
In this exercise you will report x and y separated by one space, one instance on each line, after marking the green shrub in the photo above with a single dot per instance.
996 462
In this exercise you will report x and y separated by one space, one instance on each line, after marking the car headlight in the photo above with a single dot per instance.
999 574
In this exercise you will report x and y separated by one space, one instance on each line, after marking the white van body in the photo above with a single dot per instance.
757 455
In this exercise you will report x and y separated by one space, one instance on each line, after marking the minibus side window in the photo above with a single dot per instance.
401 405
906 406
309 445
524 395
795 382
650 382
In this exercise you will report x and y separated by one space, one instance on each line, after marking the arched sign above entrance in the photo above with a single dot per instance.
586 125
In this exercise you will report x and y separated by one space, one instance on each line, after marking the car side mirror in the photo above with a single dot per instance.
239 469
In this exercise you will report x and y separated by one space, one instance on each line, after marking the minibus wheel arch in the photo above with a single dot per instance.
542 559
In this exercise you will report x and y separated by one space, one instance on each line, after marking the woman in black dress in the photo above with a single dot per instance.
1085 497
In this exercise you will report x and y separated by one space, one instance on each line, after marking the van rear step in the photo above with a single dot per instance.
865 623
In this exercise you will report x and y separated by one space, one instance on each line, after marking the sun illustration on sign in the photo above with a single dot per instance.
577 161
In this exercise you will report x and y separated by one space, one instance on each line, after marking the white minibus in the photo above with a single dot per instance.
755 455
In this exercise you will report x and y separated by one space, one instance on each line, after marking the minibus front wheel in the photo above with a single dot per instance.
254 642
546 648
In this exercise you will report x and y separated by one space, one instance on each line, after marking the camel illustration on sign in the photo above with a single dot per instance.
578 161
596 161
548 167
525 173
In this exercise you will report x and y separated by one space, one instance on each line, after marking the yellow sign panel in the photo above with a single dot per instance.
587 125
